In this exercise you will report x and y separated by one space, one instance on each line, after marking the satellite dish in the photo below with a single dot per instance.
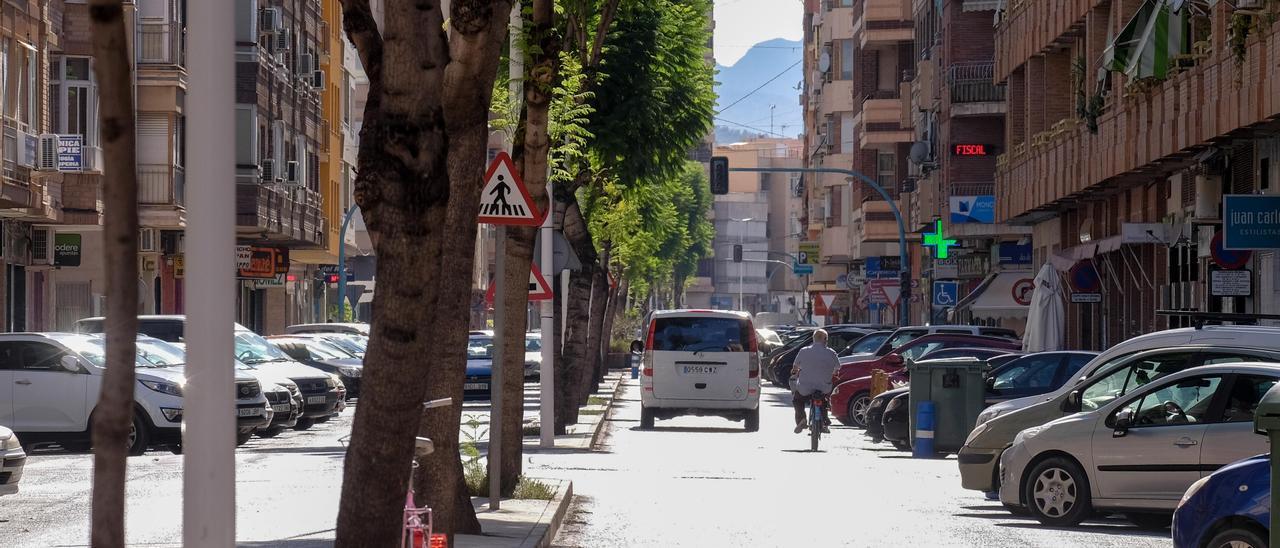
919 152
824 62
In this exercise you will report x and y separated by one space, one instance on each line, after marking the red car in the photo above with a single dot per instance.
852 381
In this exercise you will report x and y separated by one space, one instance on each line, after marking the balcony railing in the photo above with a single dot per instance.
161 185
161 44
973 189
972 83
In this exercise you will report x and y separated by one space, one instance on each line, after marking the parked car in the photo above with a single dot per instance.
1139 452
769 341
323 394
997 361
12 459
701 363
315 351
979 457
965 352
352 328
1230 508
875 412
904 335
532 355
479 367
286 401
867 344
838 338
356 345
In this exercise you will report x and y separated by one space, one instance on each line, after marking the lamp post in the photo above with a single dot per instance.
742 241
342 263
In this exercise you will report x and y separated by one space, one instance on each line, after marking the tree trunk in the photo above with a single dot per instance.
558 349
577 368
422 148
595 330
611 312
113 416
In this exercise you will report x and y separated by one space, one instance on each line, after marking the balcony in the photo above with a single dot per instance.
835 244
972 92
837 96
1146 134
878 222
879 124
161 185
161 44
279 215
884 22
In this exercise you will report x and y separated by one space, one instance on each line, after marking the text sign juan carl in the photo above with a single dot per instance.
1250 221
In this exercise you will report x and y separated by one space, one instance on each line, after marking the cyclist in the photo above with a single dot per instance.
811 377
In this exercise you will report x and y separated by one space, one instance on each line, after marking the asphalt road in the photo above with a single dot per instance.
705 482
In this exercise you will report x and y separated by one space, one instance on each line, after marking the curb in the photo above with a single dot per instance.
608 412
561 504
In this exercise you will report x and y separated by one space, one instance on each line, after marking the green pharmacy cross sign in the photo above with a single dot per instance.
936 239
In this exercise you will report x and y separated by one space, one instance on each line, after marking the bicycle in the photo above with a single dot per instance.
816 422
416 527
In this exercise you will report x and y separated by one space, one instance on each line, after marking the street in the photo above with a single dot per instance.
705 482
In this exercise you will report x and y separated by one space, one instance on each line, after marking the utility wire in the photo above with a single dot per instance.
750 127
753 92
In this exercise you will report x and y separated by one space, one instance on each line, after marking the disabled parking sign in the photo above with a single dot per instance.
946 293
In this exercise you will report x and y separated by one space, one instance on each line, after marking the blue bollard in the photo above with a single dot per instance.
635 366
925 422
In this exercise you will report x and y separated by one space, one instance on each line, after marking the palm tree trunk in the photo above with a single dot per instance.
113 416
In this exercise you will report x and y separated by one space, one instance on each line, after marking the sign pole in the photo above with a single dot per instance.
546 372
495 381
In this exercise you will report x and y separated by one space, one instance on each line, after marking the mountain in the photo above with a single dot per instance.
761 63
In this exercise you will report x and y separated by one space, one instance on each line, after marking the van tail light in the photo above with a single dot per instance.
754 341
647 370
648 344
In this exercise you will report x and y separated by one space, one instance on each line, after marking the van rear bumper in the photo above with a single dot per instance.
709 406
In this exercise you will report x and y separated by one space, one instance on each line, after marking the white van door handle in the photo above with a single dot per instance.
23 382
1186 442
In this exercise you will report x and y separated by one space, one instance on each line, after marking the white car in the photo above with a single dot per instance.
313 328
12 458
532 355
56 379
701 362
1138 453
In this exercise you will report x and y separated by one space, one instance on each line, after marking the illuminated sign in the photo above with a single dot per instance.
971 150
938 241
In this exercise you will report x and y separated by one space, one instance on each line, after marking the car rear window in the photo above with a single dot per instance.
692 334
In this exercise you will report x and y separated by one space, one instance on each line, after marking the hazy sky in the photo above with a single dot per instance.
741 24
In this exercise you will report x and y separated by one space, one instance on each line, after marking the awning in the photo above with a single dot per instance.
1067 258
997 296
1146 45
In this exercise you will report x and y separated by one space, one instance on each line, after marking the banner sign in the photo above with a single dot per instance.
66 249
261 263
973 209
1251 221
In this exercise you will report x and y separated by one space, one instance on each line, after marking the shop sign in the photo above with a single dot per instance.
70 152
1251 221
1230 283
66 249
180 267
277 281
261 263
1012 253
809 253
946 269
973 209
884 266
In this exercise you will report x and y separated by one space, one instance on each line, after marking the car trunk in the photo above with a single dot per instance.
705 358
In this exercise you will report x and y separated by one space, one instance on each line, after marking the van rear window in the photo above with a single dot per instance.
701 335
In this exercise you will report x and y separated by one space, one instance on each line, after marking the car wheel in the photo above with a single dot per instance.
1150 521
1057 493
139 436
752 423
858 407
269 433
646 418
304 423
1237 538
243 437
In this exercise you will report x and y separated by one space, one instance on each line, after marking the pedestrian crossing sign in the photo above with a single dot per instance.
505 200
539 289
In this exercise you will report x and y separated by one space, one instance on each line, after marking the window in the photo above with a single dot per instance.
1184 402
1075 363
691 334
844 59
74 98
30 82
30 356
1213 358
1246 393
914 352
1029 372
841 340
1130 377
887 170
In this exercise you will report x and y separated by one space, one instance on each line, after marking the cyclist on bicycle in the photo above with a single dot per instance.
811 377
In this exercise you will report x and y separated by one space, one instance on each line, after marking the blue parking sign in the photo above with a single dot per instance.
946 293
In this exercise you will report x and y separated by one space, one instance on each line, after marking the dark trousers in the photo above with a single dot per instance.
801 403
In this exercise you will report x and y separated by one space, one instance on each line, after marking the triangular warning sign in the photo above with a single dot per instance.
505 200
827 300
539 289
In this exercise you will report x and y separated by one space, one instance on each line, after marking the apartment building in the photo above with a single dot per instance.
858 54
1120 148
958 115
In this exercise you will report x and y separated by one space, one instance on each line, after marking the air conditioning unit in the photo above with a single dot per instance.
47 153
268 168
40 242
148 240
306 65
269 20
317 79
283 39
291 173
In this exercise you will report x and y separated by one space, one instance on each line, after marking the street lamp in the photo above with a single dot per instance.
742 240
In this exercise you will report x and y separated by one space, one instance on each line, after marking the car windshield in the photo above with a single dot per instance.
89 348
252 348
325 350
866 345
480 348
160 353
532 344
899 338
700 334
350 345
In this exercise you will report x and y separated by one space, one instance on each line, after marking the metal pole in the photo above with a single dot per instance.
546 371
208 480
342 263
742 242
905 282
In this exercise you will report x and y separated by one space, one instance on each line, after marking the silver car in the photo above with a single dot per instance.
1138 453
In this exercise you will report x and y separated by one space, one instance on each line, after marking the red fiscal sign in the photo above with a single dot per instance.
971 150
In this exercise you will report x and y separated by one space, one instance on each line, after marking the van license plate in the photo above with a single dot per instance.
701 369
475 386
250 411
315 399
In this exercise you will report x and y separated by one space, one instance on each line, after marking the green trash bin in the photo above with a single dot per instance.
957 388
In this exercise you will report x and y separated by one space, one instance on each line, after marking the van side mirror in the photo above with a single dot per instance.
1074 402
637 347
70 364
1121 423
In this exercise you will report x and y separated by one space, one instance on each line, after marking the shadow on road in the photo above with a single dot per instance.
1111 529
692 430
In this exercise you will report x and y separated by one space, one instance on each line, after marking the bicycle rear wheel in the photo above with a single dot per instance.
815 427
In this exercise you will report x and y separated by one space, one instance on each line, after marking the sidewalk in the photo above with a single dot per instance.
534 523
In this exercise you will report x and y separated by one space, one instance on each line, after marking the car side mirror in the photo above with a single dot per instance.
991 384
1073 403
1121 423
70 364
894 360
637 347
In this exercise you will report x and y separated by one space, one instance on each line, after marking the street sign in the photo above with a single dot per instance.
809 253
1227 258
539 289
946 293
1022 290
884 291
66 249
1230 283
938 241
1251 221
802 269
562 255
1084 277
1086 297
822 303
842 282
505 200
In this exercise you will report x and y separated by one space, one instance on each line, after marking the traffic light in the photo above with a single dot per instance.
737 253
331 279
719 175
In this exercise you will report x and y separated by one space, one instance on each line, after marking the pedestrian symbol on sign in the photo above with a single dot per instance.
499 205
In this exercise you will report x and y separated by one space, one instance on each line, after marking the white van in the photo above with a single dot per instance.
701 362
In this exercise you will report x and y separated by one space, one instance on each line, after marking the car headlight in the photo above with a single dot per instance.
894 404
988 414
349 371
1191 491
1027 434
977 431
332 381
164 387
10 443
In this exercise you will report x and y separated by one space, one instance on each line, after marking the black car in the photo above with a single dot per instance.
287 403
316 352
875 413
